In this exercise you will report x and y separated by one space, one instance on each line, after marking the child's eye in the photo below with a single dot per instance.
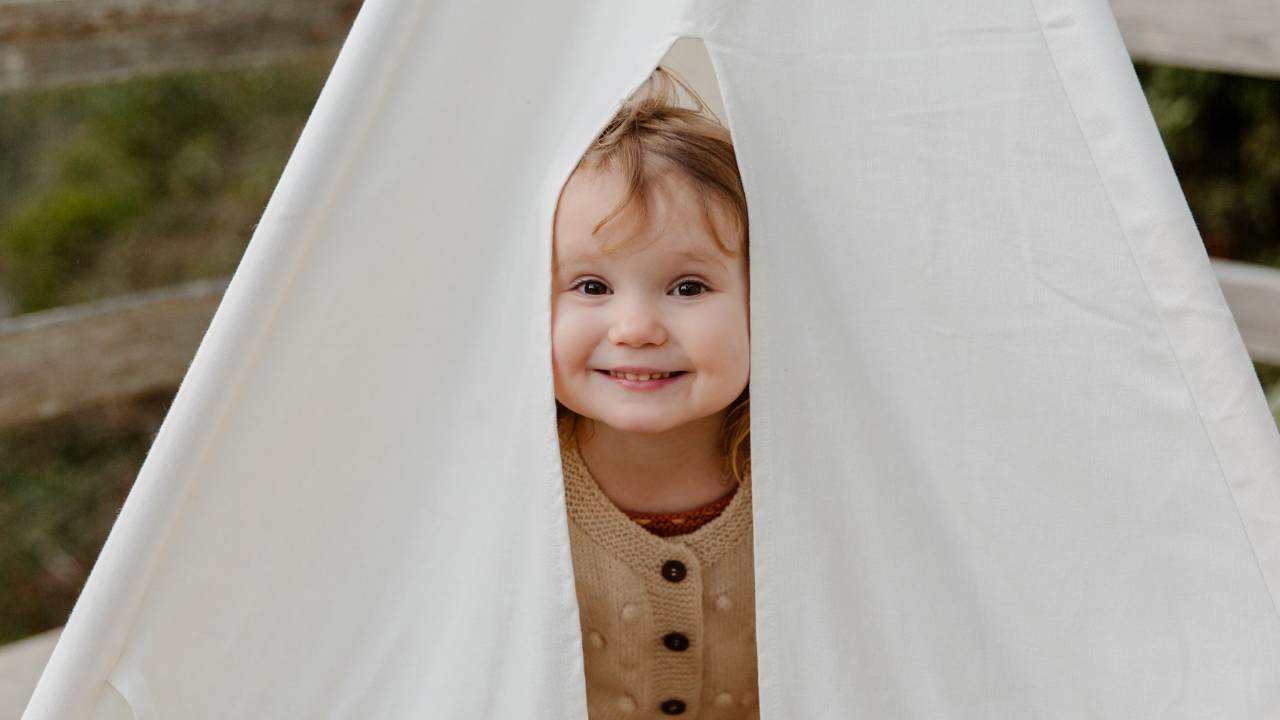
695 283
582 283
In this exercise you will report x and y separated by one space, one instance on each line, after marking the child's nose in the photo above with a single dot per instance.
638 323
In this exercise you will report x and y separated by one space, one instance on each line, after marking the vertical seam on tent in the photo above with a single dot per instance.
254 350
131 685
1173 351
575 682
577 679
759 430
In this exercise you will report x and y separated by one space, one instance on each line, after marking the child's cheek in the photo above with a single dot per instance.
568 348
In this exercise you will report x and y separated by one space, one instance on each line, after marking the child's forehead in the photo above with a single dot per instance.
675 227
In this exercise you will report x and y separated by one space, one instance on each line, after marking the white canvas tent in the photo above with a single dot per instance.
1009 457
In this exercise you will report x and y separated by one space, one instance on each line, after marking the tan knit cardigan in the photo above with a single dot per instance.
668 624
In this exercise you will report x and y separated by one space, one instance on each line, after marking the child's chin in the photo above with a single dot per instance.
633 424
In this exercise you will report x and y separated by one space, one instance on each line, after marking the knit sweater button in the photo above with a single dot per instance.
673 570
676 641
724 699
672 707
630 612
626 704
597 640
723 602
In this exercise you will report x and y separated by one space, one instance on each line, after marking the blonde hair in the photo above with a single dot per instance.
651 136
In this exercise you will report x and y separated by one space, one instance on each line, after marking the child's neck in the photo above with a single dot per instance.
672 471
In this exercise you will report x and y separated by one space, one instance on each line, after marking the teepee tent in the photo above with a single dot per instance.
1009 456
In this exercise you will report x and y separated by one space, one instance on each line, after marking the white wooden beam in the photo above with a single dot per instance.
1238 36
59 42
1253 294
57 361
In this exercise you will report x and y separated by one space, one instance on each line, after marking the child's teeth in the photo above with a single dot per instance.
632 376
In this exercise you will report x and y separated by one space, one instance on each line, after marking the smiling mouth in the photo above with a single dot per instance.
641 377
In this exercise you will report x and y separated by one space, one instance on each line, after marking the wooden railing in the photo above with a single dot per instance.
1238 36
57 42
57 361
1253 294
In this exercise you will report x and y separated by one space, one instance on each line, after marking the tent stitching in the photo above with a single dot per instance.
1173 351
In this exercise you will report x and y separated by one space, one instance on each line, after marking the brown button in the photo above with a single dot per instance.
672 707
675 641
673 570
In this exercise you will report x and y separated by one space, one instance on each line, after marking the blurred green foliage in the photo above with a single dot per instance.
1269 376
119 187
62 482
1223 136
1222 132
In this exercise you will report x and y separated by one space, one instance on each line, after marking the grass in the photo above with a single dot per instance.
62 483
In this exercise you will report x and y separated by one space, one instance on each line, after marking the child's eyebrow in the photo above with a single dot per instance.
694 255
700 256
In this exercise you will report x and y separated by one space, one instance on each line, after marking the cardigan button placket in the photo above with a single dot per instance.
649 663
678 606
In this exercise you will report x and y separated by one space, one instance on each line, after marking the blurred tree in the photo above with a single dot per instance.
62 482
151 182
1223 136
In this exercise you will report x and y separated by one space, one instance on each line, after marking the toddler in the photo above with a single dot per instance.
651 356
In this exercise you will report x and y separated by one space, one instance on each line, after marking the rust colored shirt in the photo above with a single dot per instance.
679 523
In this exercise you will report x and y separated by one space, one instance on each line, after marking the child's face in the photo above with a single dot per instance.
648 306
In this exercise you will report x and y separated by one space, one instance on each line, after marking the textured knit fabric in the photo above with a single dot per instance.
668 624
680 523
